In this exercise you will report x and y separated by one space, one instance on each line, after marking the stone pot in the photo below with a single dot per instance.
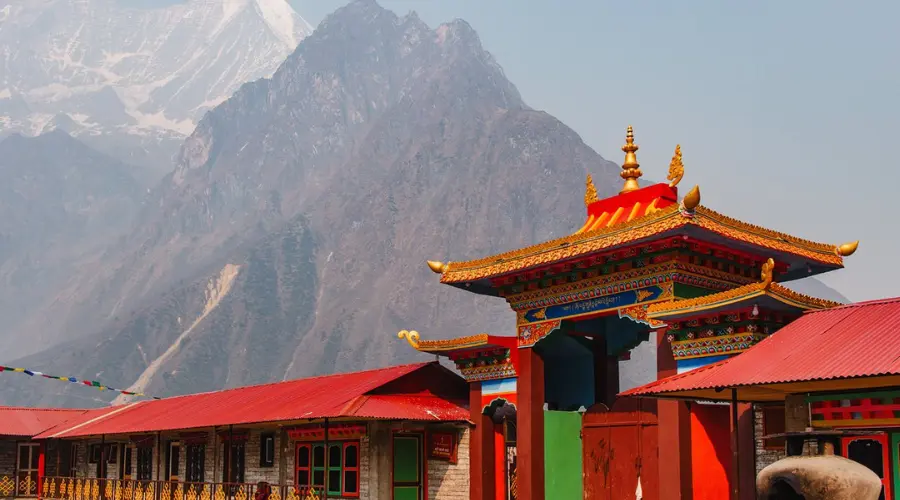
823 477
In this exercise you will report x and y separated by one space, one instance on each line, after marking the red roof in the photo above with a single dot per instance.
32 421
847 342
423 391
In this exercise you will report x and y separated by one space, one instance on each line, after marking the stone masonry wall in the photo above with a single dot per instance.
448 481
7 458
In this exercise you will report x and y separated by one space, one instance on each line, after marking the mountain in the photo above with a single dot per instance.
132 81
306 206
62 203
291 237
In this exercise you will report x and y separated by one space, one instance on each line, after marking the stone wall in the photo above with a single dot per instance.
448 481
7 458
764 456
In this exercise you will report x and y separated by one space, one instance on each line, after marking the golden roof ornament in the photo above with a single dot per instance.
847 249
768 268
437 266
676 168
590 192
630 169
411 336
692 199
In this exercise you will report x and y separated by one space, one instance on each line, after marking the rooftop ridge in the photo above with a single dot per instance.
852 305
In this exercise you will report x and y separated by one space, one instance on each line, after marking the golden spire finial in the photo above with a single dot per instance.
676 168
847 249
590 192
437 266
630 171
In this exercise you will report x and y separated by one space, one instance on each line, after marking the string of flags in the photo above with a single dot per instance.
88 383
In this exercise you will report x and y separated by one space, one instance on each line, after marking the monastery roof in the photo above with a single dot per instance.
638 215
851 347
765 293
423 391
479 342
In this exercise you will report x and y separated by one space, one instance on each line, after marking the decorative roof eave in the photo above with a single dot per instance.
746 293
672 218
447 346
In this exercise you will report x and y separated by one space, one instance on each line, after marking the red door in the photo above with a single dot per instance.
871 451
620 450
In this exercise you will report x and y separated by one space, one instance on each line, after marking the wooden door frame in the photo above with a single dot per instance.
423 463
34 449
887 471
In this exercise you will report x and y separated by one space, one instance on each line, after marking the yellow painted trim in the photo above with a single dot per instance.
651 207
615 216
634 211
872 422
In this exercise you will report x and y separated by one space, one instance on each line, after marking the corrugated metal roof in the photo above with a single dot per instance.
31 421
851 341
331 396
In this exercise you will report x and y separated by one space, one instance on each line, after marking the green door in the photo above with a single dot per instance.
407 467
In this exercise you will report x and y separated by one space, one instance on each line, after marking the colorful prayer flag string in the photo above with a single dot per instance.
89 383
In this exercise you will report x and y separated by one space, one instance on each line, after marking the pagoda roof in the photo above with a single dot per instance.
640 215
480 342
771 296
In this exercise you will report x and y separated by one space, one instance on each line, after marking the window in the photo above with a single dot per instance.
145 463
73 460
233 470
267 450
196 462
773 423
341 468
126 462
94 454
112 453
173 460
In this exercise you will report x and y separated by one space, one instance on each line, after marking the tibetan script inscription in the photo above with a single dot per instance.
598 304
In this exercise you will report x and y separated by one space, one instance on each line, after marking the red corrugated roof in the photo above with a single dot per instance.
332 396
851 341
31 421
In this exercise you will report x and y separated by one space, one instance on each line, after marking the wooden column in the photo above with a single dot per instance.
531 425
42 467
481 449
499 462
746 452
674 433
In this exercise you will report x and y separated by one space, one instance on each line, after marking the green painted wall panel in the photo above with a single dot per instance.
683 291
562 455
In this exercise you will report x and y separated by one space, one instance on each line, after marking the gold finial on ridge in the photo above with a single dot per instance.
590 192
768 268
630 171
676 168
847 249
437 266
692 198
411 336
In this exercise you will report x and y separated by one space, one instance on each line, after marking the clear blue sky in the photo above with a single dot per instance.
788 113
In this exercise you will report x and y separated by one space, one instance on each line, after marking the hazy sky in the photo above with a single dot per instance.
785 111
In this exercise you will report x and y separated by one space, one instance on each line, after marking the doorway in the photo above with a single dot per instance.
871 451
407 470
27 469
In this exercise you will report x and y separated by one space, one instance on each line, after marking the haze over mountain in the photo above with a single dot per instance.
130 80
291 237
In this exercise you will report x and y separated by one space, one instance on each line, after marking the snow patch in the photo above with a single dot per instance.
5 94
281 18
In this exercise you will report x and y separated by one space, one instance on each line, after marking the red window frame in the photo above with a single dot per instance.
308 446
775 443
345 469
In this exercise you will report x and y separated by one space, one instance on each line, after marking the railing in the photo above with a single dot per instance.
69 488
22 487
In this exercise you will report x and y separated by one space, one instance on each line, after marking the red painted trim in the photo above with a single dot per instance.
345 469
867 407
886 471
42 458
675 478
499 463
531 426
476 445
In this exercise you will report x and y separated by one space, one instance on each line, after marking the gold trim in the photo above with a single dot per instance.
630 168
437 266
590 192
768 268
411 336
676 168
692 199
785 295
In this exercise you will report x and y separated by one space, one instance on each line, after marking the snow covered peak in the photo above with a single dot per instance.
156 69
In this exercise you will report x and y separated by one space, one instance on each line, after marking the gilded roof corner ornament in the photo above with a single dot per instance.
411 336
768 268
437 266
590 192
847 249
676 168
630 168
692 199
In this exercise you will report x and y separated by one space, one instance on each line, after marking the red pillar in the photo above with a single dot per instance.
481 449
674 433
499 462
42 461
530 442
746 452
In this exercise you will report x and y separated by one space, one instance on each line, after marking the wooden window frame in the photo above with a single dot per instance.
140 451
190 449
311 468
777 444
92 448
263 438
